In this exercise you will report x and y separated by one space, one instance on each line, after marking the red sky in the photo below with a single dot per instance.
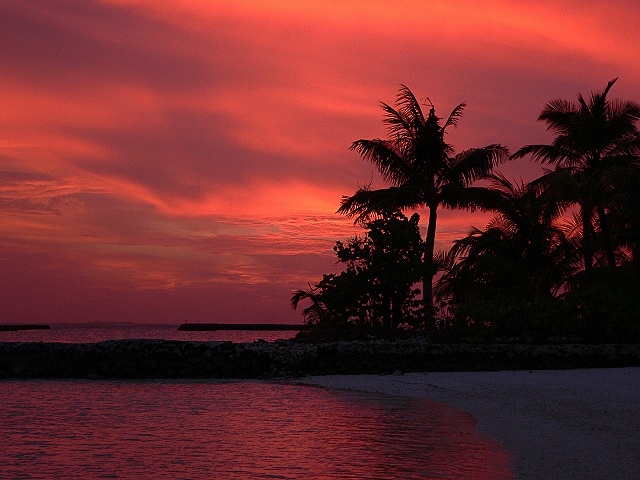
182 161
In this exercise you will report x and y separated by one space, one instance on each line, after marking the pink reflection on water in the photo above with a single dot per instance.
234 430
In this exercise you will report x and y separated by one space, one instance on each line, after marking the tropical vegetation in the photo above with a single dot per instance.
376 292
559 260
595 139
423 172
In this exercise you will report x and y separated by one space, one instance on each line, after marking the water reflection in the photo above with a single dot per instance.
234 430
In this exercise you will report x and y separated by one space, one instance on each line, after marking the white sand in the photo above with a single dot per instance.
567 424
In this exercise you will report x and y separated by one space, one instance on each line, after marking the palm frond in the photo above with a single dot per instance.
300 295
476 163
461 246
392 165
609 85
456 195
560 115
454 116
548 154
409 105
366 204
498 181
442 261
625 110
400 127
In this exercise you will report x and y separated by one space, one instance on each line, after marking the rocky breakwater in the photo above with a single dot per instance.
177 359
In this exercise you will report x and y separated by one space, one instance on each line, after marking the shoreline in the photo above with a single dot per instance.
569 424
565 411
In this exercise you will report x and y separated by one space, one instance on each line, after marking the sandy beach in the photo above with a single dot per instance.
559 424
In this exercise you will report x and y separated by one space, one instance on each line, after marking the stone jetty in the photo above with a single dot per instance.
148 359
15 327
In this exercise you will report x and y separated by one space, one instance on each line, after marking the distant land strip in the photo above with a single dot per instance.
23 326
191 327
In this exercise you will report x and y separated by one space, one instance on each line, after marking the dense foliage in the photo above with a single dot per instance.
559 261
423 171
376 292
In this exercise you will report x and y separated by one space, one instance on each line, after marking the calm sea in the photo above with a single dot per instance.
91 333
227 430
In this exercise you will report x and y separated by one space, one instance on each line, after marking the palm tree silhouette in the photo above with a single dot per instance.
592 137
623 206
422 170
521 250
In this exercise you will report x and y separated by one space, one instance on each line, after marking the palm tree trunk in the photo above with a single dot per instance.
606 236
429 273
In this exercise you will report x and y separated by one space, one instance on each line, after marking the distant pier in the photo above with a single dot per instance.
23 326
210 327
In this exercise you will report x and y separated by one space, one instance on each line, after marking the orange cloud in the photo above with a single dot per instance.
201 147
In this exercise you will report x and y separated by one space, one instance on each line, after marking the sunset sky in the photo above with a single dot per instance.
182 160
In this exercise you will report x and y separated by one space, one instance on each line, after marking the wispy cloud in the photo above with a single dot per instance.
197 150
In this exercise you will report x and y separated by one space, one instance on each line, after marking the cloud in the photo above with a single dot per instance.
197 150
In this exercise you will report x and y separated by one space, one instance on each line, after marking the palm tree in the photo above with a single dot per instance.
522 250
624 210
591 138
422 170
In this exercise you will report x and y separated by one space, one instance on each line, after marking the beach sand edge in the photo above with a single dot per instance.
569 424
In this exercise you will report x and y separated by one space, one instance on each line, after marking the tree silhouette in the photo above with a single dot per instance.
377 287
623 208
503 280
522 250
422 170
592 137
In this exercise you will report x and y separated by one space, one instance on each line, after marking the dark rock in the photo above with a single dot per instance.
176 359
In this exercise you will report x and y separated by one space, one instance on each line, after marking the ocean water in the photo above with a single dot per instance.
229 430
92 333
226 430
